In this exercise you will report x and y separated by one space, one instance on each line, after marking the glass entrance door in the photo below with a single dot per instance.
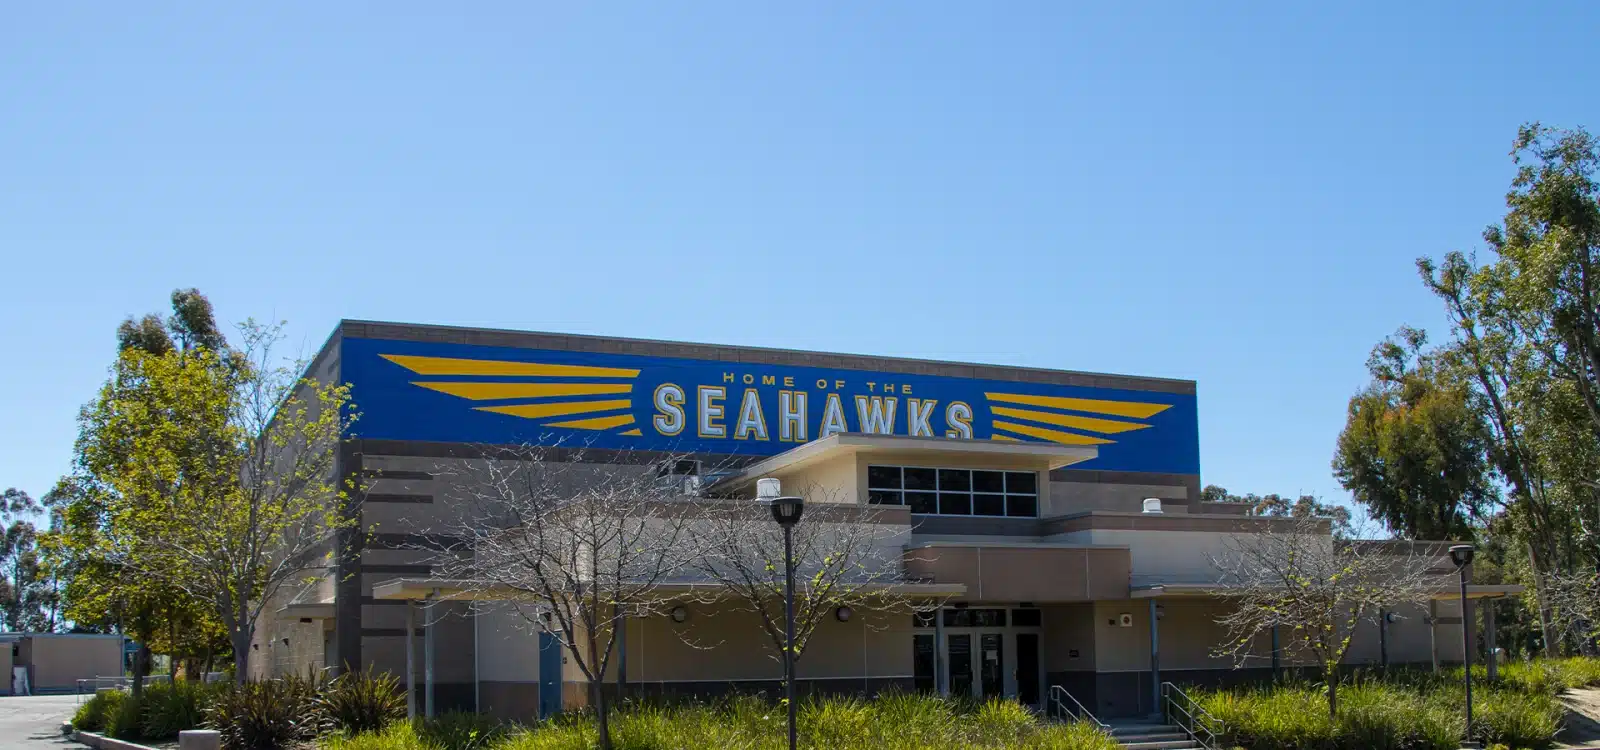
978 664
1028 669
961 674
991 675
984 653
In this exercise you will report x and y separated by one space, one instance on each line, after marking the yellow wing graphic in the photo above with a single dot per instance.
574 397
1051 418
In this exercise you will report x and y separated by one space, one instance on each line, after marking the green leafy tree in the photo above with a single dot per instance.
231 459
1305 507
1413 451
203 484
24 593
1525 330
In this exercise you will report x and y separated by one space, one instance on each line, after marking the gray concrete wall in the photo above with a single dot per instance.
59 661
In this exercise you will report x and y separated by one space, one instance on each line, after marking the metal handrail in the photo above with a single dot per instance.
1061 709
1193 712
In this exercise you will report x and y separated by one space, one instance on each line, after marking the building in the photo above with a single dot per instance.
1055 516
35 663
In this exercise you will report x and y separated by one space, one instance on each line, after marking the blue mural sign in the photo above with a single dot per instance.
410 390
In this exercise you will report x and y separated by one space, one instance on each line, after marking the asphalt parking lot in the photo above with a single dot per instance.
34 721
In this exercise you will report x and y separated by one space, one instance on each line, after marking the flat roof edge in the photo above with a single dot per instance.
393 330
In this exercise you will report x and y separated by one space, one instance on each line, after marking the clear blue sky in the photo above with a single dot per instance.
1229 192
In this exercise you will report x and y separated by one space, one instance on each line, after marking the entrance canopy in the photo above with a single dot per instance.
1447 593
457 589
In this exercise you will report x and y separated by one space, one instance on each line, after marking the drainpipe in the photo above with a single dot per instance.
477 685
1155 659
941 681
427 654
411 658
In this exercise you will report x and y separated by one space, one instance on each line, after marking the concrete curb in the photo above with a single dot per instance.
103 742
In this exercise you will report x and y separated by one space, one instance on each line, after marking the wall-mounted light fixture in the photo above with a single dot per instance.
843 614
680 614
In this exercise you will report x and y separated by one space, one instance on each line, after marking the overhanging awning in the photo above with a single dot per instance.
307 611
1037 456
458 589
1154 590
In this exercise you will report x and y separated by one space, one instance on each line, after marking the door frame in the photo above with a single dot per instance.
1008 660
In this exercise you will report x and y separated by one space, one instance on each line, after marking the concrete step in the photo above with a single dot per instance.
1152 737
1119 728
1183 744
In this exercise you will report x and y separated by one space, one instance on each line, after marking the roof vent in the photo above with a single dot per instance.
1152 506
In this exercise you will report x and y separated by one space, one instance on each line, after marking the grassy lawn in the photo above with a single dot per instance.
1403 710
914 722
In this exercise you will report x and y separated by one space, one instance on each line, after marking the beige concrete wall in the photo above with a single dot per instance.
270 656
840 479
508 645
303 652
727 644
1013 573
1068 628
60 661
1188 633
722 643
1077 497
1164 556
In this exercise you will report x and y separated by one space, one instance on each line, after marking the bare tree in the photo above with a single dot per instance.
1297 577
572 547
844 555
1574 601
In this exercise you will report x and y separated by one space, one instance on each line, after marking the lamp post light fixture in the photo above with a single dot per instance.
786 510
1461 555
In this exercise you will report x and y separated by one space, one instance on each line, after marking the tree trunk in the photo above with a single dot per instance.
241 656
596 690
141 667
172 650
1539 602
1333 692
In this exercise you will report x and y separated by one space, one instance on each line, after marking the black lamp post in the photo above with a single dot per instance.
786 511
1461 555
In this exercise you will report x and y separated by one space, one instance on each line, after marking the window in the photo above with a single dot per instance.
923 663
979 617
955 492
974 618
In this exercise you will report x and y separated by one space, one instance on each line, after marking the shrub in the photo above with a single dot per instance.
896 720
399 735
171 708
91 716
123 721
1520 720
363 701
1001 722
1277 718
1405 712
268 715
461 730
1075 736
